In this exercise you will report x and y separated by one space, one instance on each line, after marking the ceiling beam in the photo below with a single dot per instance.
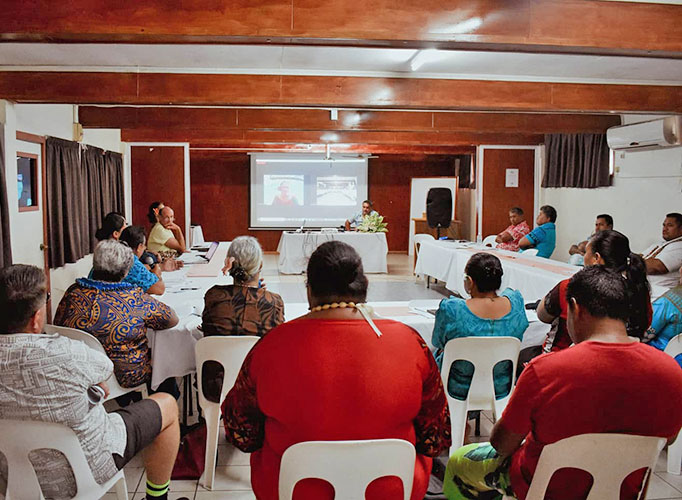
248 137
125 117
576 26
330 91
222 149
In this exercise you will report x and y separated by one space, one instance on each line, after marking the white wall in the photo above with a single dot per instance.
646 186
54 120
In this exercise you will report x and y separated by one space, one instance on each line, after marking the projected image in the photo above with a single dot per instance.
283 190
337 191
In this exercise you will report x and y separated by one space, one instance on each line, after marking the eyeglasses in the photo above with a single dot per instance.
47 297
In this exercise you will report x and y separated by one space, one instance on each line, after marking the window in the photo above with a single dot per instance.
27 182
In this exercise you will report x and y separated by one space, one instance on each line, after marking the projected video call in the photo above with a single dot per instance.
305 190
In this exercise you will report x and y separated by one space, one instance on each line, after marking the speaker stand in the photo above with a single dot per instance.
438 232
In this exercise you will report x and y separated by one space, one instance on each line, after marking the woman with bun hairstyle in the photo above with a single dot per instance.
113 225
153 213
610 249
485 314
337 373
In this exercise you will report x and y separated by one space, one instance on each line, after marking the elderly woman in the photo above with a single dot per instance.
116 312
337 374
485 314
244 308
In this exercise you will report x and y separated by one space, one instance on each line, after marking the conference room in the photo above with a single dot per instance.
249 157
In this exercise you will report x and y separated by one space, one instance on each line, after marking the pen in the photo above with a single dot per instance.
193 288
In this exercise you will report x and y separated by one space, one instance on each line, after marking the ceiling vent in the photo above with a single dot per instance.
644 136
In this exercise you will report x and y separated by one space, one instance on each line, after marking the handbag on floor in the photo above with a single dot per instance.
191 458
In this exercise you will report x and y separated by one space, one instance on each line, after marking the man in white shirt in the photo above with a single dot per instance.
50 378
356 219
664 259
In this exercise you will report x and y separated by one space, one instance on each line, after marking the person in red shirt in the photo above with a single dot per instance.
588 388
510 237
337 374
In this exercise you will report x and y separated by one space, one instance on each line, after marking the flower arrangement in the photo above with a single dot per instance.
373 223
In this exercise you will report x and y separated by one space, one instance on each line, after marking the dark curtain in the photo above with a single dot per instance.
112 185
463 172
576 160
93 161
68 227
5 246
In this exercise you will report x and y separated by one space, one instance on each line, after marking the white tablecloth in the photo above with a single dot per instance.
533 276
173 349
295 249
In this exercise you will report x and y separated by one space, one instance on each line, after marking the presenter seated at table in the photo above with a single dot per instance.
543 237
338 373
666 322
356 219
146 275
518 228
166 238
604 384
663 259
243 308
116 313
611 250
485 314
577 251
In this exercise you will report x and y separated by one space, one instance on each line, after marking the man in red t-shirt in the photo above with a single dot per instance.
604 384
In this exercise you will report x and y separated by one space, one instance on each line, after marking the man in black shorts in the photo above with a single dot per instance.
56 379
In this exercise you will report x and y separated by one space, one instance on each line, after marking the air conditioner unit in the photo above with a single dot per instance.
644 136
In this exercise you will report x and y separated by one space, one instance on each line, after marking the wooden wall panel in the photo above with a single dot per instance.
220 188
390 181
498 199
158 174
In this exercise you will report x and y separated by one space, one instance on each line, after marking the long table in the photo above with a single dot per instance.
531 275
296 248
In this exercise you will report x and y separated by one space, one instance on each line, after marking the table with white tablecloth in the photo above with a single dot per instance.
296 248
533 276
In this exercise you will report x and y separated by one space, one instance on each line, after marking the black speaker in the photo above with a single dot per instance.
439 207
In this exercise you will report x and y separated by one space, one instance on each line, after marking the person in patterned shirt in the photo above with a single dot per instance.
116 313
510 237
337 374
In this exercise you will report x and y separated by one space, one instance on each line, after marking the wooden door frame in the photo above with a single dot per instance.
128 177
537 177
39 139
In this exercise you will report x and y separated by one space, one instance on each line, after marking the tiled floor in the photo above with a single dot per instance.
232 472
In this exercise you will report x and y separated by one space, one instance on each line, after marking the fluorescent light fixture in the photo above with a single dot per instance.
309 160
425 56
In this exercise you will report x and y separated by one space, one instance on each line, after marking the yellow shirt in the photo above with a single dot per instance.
158 237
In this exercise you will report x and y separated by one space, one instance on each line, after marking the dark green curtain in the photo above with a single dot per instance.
576 160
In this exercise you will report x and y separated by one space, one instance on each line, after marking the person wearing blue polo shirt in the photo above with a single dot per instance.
543 237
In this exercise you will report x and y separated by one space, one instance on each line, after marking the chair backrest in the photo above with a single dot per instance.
490 240
609 458
19 437
484 353
348 465
74 334
421 238
531 252
228 350
115 389
674 346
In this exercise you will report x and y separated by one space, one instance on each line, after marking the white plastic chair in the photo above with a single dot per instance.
609 458
229 351
115 389
19 437
418 240
348 465
674 348
489 240
531 252
484 353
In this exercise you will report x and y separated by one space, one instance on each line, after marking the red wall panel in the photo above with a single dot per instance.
220 194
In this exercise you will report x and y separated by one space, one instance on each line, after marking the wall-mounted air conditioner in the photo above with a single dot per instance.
654 134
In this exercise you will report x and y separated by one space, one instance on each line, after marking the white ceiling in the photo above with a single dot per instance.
348 61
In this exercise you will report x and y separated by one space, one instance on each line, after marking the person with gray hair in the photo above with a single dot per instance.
243 308
117 313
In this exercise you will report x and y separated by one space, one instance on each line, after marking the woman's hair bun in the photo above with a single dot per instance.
239 274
